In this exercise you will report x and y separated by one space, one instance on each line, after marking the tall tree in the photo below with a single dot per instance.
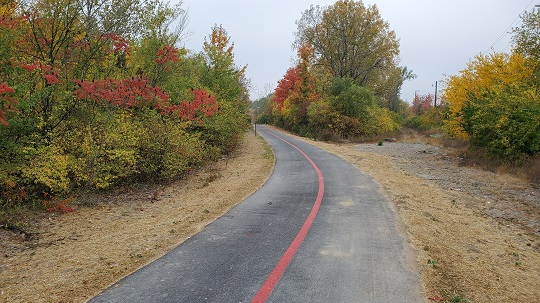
350 40
388 87
303 92
527 40
223 77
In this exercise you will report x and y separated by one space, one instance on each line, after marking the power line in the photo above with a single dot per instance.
506 30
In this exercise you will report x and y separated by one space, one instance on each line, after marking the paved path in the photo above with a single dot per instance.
318 231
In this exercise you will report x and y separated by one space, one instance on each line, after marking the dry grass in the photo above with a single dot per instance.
75 255
533 169
461 253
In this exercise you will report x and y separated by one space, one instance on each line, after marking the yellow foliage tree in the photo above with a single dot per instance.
492 73
7 8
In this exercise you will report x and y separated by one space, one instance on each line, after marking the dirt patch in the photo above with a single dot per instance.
477 233
71 257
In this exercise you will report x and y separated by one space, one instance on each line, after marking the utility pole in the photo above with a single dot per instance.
435 93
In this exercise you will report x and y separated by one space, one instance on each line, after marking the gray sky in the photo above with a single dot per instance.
437 37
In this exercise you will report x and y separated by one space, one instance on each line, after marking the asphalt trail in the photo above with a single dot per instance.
319 230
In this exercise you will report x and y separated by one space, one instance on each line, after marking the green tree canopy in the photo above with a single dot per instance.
349 39
527 36
350 99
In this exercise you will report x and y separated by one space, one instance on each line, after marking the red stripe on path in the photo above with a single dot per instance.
276 274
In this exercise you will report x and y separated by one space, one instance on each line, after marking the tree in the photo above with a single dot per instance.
228 83
286 86
263 108
487 73
349 40
350 99
421 103
222 76
495 103
527 37
296 91
158 17
389 86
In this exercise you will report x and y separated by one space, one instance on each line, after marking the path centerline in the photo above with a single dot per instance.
279 269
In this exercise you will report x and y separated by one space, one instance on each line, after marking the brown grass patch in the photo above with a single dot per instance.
73 256
533 169
462 252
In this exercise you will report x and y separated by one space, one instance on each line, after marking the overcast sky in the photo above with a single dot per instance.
437 38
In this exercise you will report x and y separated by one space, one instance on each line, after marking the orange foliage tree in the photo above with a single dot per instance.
296 91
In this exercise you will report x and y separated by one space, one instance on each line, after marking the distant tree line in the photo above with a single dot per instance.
347 82
347 79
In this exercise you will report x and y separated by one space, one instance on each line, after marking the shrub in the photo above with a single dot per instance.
379 120
431 118
224 130
170 154
107 154
351 100
505 124
49 169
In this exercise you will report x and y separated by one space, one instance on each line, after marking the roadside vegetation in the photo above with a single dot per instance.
347 81
97 94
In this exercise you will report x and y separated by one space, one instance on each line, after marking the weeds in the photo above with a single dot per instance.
458 299
432 262
58 205
517 262
135 255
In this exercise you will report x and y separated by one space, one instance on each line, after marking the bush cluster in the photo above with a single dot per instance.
495 104
100 110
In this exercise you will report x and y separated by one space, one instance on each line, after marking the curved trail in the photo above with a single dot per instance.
319 230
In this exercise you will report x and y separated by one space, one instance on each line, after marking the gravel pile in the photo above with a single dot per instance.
502 196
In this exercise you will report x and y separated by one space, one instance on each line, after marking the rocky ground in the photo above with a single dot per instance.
508 199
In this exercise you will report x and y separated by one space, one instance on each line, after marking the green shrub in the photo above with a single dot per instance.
505 124
379 120
224 130
107 154
350 99
165 150
433 117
